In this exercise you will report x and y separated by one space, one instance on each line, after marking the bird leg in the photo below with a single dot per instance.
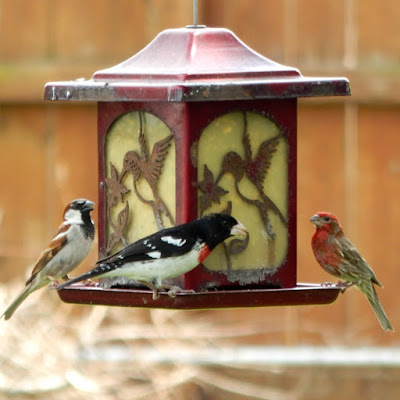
344 285
54 282
171 290
89 282
152 286
341 284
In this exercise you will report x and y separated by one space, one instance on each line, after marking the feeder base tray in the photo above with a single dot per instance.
302 294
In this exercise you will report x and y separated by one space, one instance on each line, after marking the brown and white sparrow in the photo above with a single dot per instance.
69 246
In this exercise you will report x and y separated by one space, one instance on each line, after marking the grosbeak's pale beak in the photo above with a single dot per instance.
166 254
337 256
69 246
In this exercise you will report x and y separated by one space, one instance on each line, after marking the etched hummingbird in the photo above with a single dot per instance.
149 167
255 169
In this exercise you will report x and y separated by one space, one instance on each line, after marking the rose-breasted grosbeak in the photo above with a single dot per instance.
69 246
166 254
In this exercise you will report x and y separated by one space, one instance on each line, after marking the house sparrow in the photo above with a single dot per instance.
337 256
167 253
69 246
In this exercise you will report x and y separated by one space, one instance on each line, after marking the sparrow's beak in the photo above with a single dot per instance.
89 206
238 229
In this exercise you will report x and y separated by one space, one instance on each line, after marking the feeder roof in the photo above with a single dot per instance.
196 64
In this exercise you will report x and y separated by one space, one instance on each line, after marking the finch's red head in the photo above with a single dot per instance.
326 221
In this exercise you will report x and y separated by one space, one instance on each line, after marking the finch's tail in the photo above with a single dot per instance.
17 302
369 291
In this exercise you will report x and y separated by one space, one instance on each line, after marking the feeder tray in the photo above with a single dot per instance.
302 294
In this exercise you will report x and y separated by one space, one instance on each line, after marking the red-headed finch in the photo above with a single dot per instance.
337 256
69 246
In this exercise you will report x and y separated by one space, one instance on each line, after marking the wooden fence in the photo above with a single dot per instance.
349 148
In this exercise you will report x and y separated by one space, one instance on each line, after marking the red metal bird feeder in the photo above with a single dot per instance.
198 122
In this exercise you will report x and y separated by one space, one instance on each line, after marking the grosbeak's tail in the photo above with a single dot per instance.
96 272
372 297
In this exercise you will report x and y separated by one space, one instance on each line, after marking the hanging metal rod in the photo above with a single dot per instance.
195 17
194 12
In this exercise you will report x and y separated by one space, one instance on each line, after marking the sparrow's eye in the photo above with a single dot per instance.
326 219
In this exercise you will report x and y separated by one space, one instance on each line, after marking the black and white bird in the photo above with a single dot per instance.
167 253
69 246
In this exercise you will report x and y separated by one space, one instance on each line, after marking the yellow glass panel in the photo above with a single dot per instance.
243 169
140 186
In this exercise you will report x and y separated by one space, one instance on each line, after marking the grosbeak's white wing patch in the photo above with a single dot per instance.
147 243
173 240
154 254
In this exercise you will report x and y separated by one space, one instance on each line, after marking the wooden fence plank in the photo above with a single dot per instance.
80 29
319 38
23 30
379 31
23 182
320 188
75 172
379 194
258 23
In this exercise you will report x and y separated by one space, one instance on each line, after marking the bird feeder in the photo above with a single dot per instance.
198 122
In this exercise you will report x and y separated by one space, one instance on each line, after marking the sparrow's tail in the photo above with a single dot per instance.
370 293
94 273
28 289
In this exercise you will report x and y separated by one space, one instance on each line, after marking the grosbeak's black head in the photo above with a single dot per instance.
218 227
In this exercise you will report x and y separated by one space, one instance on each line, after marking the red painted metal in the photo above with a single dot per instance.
187 121
196 64
283 113
194 54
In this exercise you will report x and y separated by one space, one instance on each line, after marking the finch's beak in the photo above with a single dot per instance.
315 219
89 206
238 229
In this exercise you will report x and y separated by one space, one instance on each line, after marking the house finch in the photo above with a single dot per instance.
337 256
